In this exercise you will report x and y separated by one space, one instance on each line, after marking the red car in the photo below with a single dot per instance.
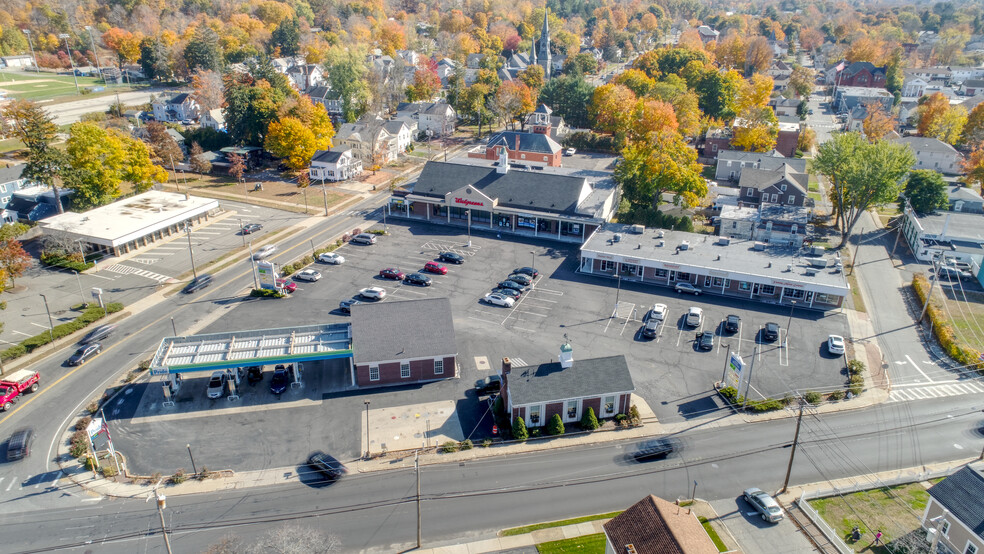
287 285
392 273
435 267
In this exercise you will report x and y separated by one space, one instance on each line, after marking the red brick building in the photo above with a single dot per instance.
861 74
533 148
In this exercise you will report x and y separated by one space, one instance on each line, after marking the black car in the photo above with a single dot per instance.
654 449
198 283
512 285
451 258
521 278
489 385
417 279
254 374
326 465
281 378
19 445
651 329
770 331
705 340
345 306
98 334
84 354
531 271
251 228
731 323
511 293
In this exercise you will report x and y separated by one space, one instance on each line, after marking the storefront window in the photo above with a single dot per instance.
607 265
572 409
440 210
660 273
767 290
459 213
629 269
535 415
795 294
568 228
609 405
481 215
744 285
503 221
527 222
681 276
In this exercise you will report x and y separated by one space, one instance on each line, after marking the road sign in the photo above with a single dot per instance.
736 368
268 275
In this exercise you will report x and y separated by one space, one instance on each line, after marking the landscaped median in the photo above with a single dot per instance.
854 387
943 330
89 316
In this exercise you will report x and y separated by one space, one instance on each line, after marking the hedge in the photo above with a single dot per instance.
88 317
265 293
765 405
943 330
66 262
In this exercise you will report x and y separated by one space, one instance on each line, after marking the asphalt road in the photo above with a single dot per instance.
472 500
822 121
67 113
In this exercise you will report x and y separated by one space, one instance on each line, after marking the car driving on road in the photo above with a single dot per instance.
491 384
84 354
654 449
264 252
327 466
198 283
98 334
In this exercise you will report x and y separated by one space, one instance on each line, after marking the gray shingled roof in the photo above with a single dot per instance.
961 494
327 156
549 382
518 189
12 173
766 160
926 144
762 179
528 142
405 330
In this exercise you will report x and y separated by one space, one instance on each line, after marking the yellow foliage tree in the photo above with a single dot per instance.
289 139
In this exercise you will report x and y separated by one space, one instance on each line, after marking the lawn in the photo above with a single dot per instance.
713 534
594 544
277 194
967 317
536 527
45 86
890 509
814 185
815 196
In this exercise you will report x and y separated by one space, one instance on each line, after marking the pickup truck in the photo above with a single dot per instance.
16 383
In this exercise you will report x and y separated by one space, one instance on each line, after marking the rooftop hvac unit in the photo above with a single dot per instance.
759 246
660 235
817 250
637 229
818 262
724 241
810 273
685 245
661 243
617 237
789 267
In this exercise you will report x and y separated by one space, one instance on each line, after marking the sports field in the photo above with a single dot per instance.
24 85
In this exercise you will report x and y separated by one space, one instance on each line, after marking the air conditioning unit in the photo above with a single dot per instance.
724 241
759 246
637 229
685 245
617 237
817 262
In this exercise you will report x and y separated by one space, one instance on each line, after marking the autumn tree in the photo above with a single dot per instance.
426 84
939 120
347 70
801 81
14 261
611 109
865 49
925 190
514 101
252 100
207 88
807 140
756 127
35 128
196 157
758 55
635 80
665 165
878 123
237 166
533 77
973 168
730 51
125 45
973 132
289 139
155 59
164 149
650 118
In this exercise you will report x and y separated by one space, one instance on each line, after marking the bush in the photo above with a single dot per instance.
265 293
620 419
378 232
108 471
588 140
519 431
555 426
486 443
634 417
943 330
204 474
855 389
645 215
589 422
766 405
78 449
466 444
449 447
288 269
13 352
82 423
179 477
855 367
65 261
836 395
813 397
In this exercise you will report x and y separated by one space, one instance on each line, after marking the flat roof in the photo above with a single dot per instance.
958 224
784 266
255 347
411 329
128 219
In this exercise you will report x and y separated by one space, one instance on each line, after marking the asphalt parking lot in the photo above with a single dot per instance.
669 373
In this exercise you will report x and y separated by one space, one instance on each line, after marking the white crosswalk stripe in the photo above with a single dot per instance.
906 394
127 270
517 362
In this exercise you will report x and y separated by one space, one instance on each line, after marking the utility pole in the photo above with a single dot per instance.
368 448
416 468
76 77
324 194
191 251
161 504
857 251
51 326
95 54
82 294
929 295
242 231
252 266
792 454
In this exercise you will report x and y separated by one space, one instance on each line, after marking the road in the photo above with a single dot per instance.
67 113
472 500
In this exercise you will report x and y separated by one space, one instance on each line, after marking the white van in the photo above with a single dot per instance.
364 238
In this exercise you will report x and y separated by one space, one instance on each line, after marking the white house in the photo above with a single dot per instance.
213 119
856 117
374 140
437 117
914 86
934 154
177 108
306 76
335 165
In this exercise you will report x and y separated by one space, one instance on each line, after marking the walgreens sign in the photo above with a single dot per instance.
466 202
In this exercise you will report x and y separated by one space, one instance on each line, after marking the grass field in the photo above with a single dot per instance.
894 510
536 527
594 544
42 86
966 311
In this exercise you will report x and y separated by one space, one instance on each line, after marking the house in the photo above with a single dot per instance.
335 165
177 108
962 74
785 106
932 153
252 155
390 346
860 74
845 98
655 526
907 109
914 86
566 388
936 73
327 98
435 119
956 501
213 119
707 34
540 118
964 199
374 140
11 181
716 140
178 139
782 186
787 139
768 223
306 76
972 87
446 68
731 162
34 203
856 117
17 61
534 149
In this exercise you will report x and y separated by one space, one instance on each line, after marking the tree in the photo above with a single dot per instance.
155 59
582 64
568 95
758 56
973 167
203 50
251 104
807 140
532 77
199 164
666 164
894 77
237 166
801 81
207 87
519 431
34 127
611 109
14 261
589 421
555 426
163 148
635 80
125 45
286 37
861 175
939 120
730 51
716 92
926 191
756 128
973 132
346 69
650 118
313 116
292 141
878 123
426 84
513 100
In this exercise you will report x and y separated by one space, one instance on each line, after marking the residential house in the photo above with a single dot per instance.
566 388
716 140
446 68
846 97
782 186
328 99
11 181
655 526
374 140
860 74
972 87
787 139
213 119
914 86
856 117
932 153
177 108
907 109
306 76
731 162
785 106
972 102
178 139
964 199
410 57
337 164
435 119
962 74
769 223
707 34
390 346
956 501
252 155
928 74
283 65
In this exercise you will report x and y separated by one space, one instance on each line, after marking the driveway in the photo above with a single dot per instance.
755 535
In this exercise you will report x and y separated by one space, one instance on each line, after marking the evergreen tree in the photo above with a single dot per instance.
203 50
589 422
155 59
555 426
519 431
34 127
287 37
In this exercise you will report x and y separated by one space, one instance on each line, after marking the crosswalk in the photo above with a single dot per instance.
905 393
127 270
13 484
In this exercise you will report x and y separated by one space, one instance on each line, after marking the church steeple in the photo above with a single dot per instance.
544 53
533 51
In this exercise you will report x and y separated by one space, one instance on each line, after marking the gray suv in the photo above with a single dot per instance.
764 504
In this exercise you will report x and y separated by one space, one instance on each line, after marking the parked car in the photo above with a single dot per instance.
654 449
451 258
254 374
705 340
363 238
658 312
491 384
198 283
511 293
511 285
764 504
392 273
499 300
373 293
521 278
952 274
345 306
264 252
651 329
531 271
331 258
98 334
570 151
694 317
281 378
308 275
251 228
216 385
324 464
84 354
19 445
434 267
286 284
732 323
417 279
835 344
771 331
687 288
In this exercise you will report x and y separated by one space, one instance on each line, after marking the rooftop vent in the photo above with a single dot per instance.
789 267
661 243
724 241
685 245
660 235
759 246
637 229
810 273
617 237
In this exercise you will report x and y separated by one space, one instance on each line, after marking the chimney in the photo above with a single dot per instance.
506 366
503 165
517 142
566 358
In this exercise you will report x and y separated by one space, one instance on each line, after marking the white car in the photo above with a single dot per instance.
499 300
695 316
331 258
835 344
216 385
570 152
658 312
373 293
308 275
264 252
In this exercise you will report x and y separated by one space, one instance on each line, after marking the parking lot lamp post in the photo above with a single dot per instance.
51 326
252 266
175 330
618 286
31 42
792 306
191 251
71 61
82 294
95 54
368 449
193 468
242 231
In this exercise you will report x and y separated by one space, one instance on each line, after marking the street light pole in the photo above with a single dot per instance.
191 251
71 61
252 266
161 504
96 54
51 326
82 294
31 42
193 468
416 469
368 448
324 194
173 328
242 231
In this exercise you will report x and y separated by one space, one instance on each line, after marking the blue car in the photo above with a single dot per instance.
281 378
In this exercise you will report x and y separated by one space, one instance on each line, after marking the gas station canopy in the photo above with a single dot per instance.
249 348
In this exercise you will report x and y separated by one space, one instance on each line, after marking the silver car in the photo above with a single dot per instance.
764 504
264 252
216 385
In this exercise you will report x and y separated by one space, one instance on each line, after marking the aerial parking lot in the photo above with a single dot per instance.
599 316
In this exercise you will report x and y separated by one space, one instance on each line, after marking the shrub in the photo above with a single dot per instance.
765 405
588 140
108 471
813 397
204 474
82 423
466 444
943 330
555 426
836 395
13 352
519 431
78 449
855 367
589 422
449 447
93 407
65 261
634 417
855 389
536 432
486 443
179 477
620 418
265 293
645 215
379 232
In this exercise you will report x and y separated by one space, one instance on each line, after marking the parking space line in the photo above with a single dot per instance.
915 365
21 333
